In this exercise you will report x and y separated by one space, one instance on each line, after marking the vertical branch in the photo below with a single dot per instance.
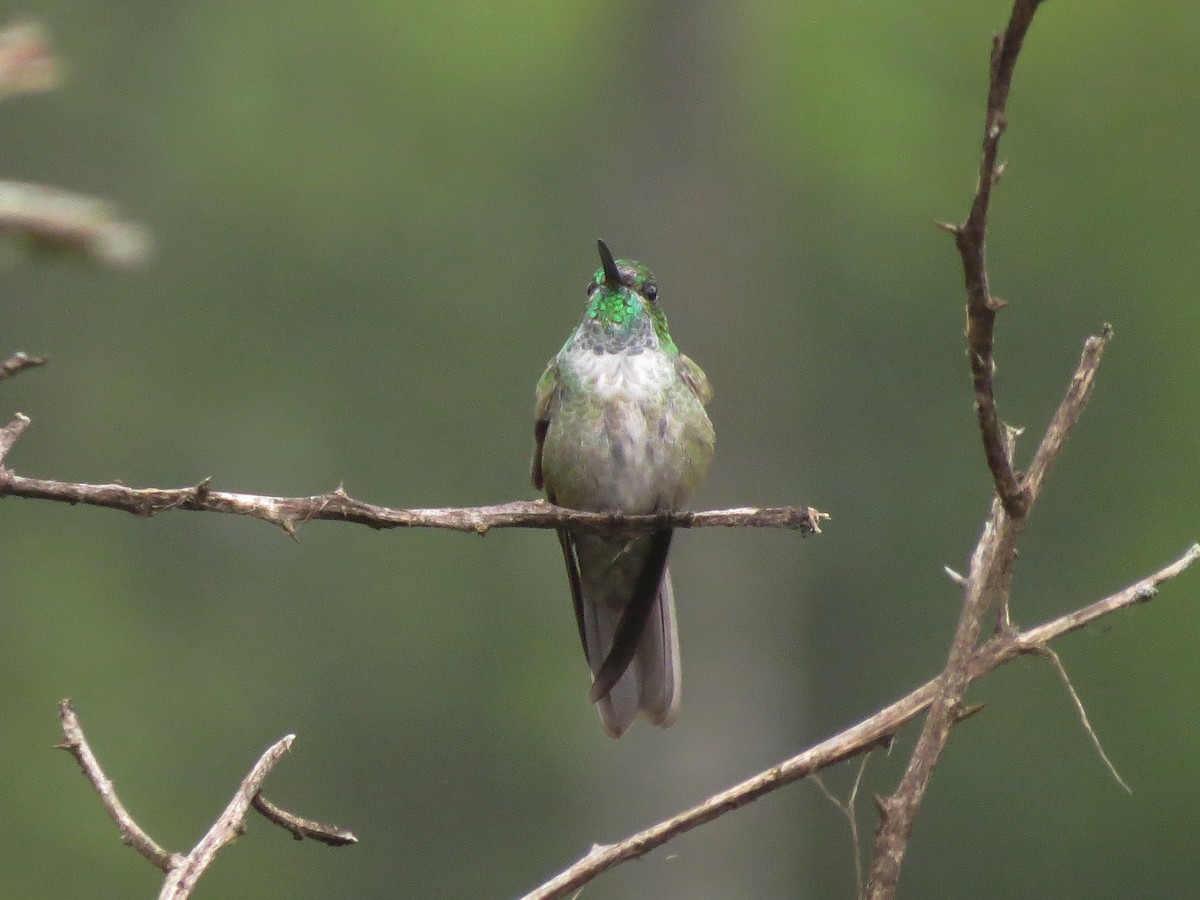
970 237
990 579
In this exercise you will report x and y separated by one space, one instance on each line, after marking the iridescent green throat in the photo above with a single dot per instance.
624 318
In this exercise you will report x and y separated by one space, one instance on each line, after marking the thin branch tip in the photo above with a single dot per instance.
20 362
301 827
1055 660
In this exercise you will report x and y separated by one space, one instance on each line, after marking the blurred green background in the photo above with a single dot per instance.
373 224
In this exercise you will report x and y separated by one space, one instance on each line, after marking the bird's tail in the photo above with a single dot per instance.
651 683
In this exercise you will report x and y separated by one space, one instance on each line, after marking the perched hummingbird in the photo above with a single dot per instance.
620 427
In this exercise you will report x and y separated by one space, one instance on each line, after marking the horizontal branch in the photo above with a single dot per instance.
878 730
291 512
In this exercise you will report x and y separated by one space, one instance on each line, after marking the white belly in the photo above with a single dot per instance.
619 448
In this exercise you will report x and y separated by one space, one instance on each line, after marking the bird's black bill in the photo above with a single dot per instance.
612 275
633 619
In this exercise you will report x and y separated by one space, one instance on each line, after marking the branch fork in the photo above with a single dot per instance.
184 870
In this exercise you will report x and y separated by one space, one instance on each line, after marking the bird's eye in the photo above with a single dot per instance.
650 289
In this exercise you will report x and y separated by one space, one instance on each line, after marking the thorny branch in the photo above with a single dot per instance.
988 584
879 729
132 834
291 512
183 871
971 239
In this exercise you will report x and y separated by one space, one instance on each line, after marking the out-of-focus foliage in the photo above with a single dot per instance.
373 223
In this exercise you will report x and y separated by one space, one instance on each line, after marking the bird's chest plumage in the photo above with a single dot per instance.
618 433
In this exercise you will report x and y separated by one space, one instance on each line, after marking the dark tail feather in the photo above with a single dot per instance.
628 634
651 684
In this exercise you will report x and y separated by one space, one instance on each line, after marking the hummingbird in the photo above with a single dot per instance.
620 426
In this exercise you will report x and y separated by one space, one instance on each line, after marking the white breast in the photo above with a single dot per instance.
624 377
630 467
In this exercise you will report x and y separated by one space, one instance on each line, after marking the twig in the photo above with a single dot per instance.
18 363
8 436
290 512
75 743
27 64
54 219
878 729
51 218
1056 661
848 808
182 878
970 237
300 827
1068 412
183 871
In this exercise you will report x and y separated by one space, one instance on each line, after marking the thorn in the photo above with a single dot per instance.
967 711
954 576
995 304
1012 432
201 490
947 226
288 524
